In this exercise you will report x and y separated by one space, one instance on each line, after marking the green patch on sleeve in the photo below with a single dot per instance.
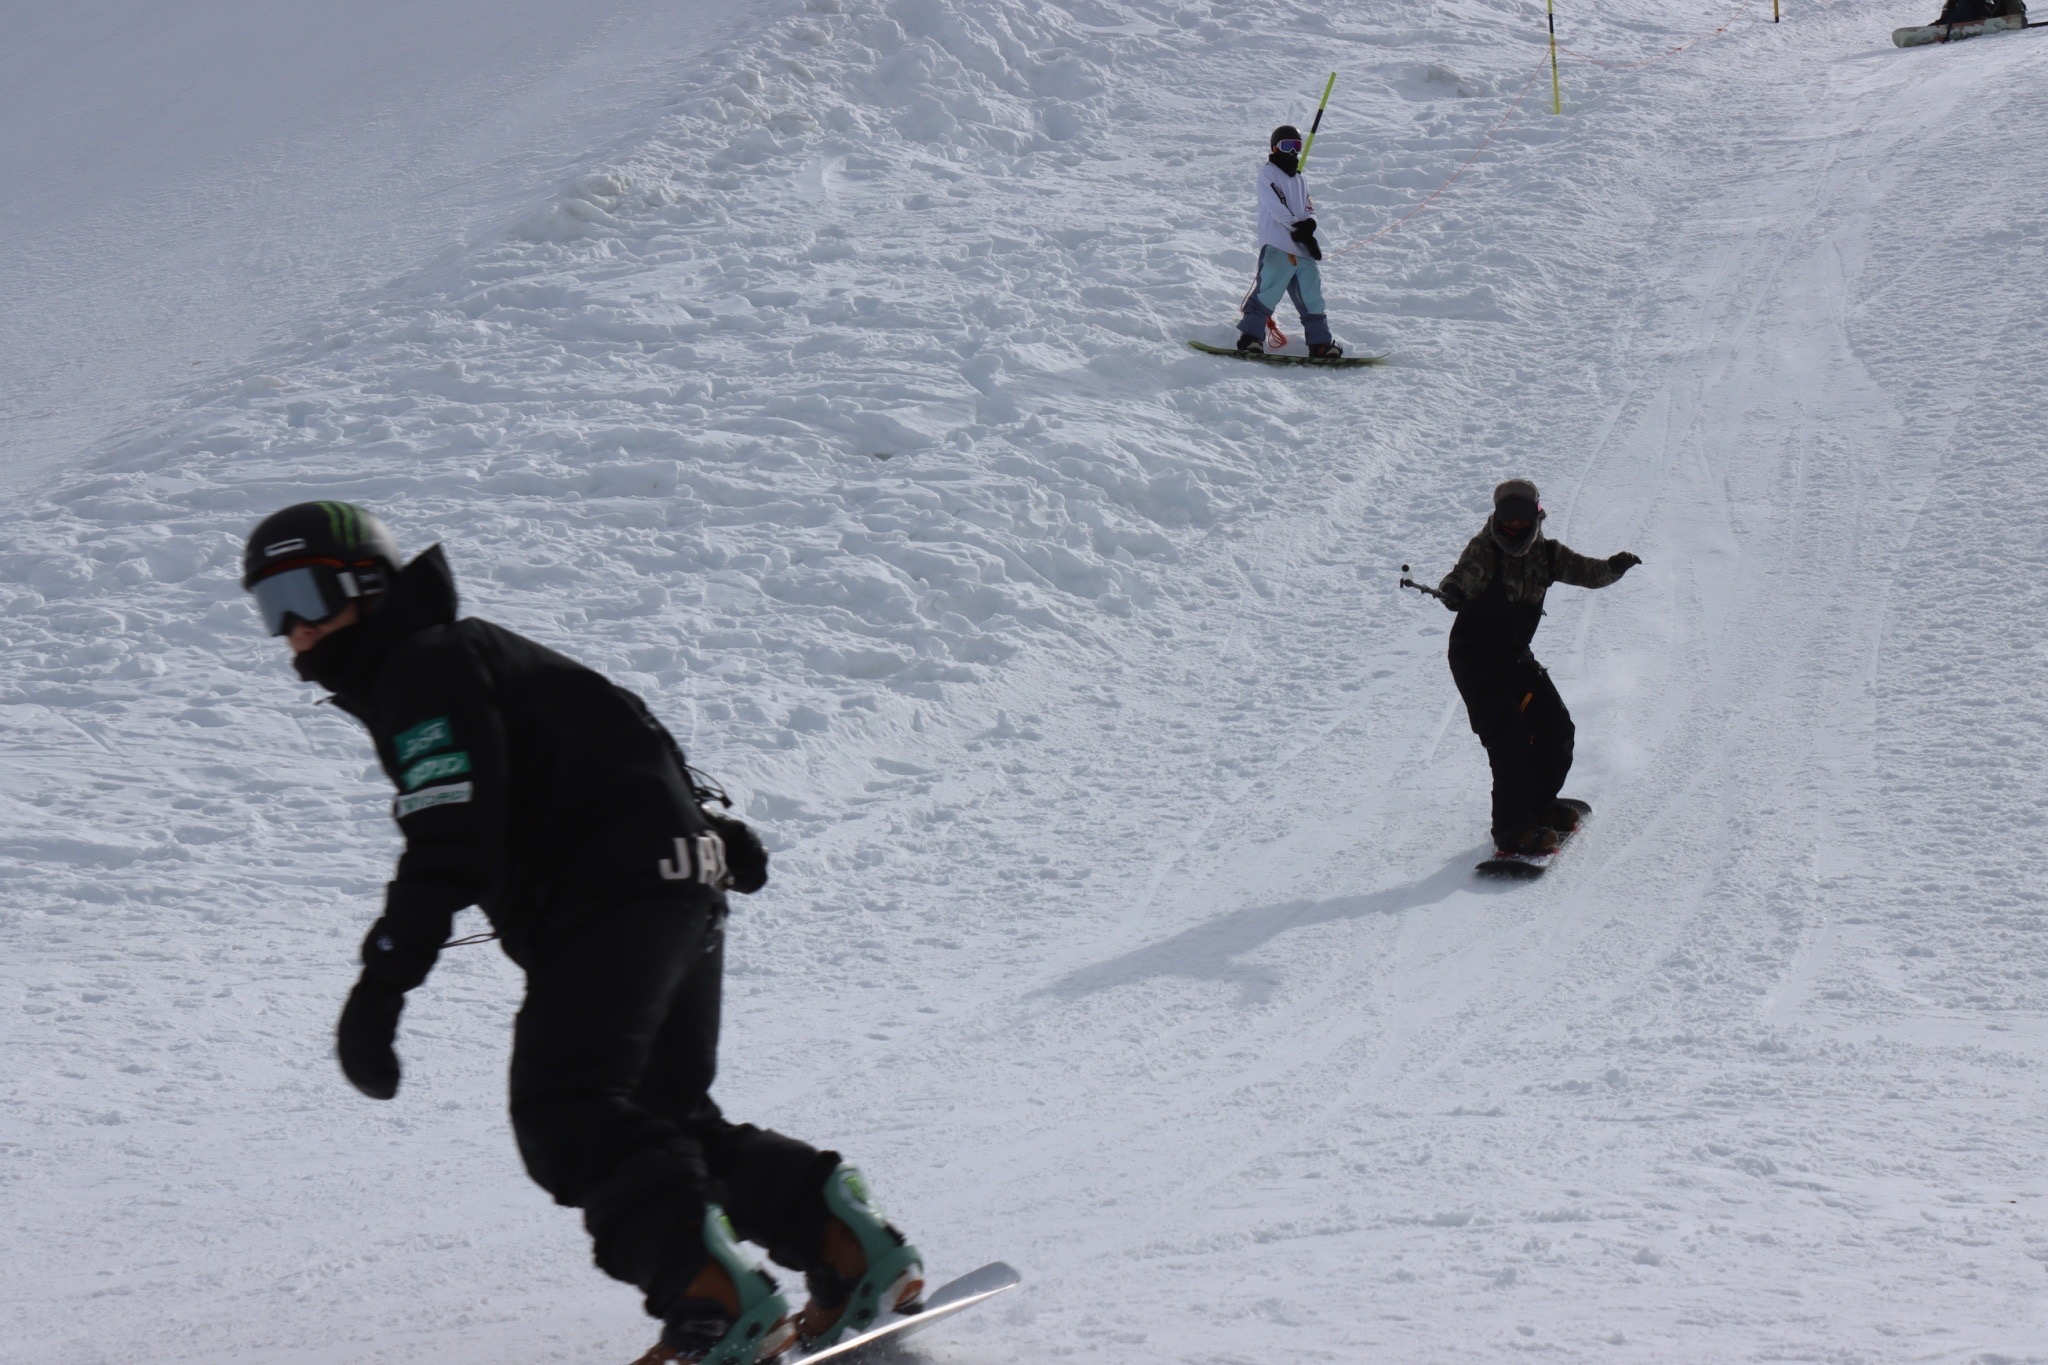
423 738
434 769
454 794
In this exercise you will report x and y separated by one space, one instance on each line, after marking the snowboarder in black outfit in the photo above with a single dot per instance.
534 788
1497 589
1975 11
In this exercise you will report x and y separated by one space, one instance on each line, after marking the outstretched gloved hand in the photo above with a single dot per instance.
1622 563
363 1038
746 861
1452 599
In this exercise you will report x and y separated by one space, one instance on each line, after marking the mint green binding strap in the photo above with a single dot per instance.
764 1312
891 1260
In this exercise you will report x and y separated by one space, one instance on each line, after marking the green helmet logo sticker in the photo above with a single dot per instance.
344 519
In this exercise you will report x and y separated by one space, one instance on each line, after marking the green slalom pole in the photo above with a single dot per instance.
1310 140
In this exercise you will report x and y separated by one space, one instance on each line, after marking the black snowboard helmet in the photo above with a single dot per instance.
309 561
1517 516
1288 160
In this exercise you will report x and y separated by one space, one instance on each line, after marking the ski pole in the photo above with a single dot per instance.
1310 140
1408 582
1556 98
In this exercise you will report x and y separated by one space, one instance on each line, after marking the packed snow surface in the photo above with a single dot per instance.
1123 924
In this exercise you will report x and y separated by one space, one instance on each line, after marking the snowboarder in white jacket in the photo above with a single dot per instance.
1288 252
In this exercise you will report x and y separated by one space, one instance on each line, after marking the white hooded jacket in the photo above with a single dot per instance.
1283 202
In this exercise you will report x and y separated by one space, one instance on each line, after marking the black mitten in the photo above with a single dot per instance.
746 861
369 1023
1304 235
401 946
1622 563
1452 599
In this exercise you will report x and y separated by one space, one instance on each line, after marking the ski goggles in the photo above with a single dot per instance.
311 593
1290 145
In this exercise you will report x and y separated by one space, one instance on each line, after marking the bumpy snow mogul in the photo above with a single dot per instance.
552 798
1966 19
1497 590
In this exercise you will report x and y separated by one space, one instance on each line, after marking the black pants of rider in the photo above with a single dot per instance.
1528 734
612 1061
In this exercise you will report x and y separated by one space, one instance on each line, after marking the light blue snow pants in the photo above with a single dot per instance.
1296 277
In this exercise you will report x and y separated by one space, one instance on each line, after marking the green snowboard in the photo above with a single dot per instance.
1342 362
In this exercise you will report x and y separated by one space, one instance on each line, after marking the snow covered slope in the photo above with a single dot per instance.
187 181
1123 924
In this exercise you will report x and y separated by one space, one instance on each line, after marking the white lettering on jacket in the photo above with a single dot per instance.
698 858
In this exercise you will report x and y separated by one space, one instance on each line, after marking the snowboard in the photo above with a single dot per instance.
1527 867
976 1286
1342 362
1949 33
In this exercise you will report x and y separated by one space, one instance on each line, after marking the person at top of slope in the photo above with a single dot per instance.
1974 11
1497 590
533 787
1288 252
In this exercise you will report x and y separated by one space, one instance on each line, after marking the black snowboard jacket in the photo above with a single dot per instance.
1499 599
527 783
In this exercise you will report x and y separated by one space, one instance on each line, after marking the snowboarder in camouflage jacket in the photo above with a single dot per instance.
1497 589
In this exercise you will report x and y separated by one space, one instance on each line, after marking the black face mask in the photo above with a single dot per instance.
1286 161
1515 543
327 662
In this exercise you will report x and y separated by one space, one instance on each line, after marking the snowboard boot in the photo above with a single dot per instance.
731 1314
867 1267
1326 350
1533 842
1250 343
1564 814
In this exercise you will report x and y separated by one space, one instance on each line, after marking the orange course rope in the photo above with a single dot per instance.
1485 142
1520 96
1652 61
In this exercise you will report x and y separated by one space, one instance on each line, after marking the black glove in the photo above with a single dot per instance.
746 862
1622 563
1452 599
1304 235
369 1021
401 946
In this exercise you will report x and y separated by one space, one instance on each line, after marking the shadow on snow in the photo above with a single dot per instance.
1210 951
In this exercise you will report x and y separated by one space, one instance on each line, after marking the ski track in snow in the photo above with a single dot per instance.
1122 924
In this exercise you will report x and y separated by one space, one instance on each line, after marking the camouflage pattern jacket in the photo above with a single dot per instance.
1500 595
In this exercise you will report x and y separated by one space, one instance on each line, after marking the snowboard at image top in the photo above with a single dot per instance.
1342 362
1923 34
1527 867
975 1287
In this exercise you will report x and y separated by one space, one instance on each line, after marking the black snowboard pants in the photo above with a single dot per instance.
1528 734
612 1061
